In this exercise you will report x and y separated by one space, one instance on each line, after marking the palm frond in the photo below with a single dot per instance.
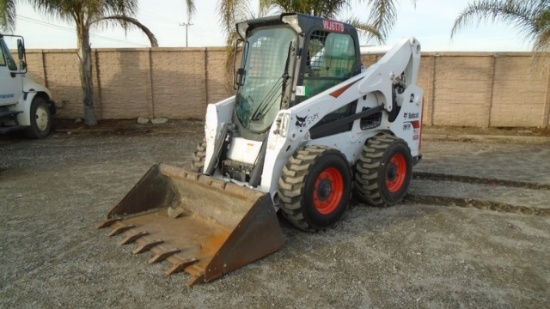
530 17
191 9
232 12
541 49
542 42
383 15
7 15
127 21
115 7
267 6
365 28
517 13
58 9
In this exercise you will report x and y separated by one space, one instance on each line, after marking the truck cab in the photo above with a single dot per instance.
24 104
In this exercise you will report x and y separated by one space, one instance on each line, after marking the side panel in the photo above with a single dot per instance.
25 106
216 115
10 87
408 123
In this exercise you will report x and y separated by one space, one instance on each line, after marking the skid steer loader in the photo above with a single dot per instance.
308 125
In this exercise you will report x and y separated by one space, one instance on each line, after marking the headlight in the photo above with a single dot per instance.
281 124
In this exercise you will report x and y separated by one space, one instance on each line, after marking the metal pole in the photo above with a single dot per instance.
187 24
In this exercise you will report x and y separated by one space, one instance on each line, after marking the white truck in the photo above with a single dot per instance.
24 104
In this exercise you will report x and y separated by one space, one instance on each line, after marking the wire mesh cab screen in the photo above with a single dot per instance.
265 61
330 60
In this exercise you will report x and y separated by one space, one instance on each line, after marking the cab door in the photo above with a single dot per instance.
11 84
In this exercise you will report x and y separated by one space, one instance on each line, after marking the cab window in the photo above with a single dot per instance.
330 60
2 58
6 58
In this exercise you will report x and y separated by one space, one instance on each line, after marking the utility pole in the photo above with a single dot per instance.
187 24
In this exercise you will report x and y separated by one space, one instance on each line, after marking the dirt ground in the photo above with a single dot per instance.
473 233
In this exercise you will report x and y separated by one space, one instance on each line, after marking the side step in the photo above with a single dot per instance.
6 114
11 129
9 115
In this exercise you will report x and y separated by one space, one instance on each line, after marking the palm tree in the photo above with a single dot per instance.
381 19
532 17
84 14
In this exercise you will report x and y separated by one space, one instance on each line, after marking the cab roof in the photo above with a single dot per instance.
301 23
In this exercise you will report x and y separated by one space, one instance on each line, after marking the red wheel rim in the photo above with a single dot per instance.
328 191
396 172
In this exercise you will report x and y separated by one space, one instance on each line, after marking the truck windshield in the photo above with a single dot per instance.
264 77
5 56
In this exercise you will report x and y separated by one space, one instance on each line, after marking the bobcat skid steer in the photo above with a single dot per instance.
308 125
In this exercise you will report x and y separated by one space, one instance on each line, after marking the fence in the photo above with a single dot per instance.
460 89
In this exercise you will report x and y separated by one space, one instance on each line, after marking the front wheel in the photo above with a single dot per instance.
40 118
383 171
315 188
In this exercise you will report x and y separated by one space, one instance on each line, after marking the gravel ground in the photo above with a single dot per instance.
417 254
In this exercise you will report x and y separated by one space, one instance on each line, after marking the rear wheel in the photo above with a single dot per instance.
197 165
384 170
40 118
315 188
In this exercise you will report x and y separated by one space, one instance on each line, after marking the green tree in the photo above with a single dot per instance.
85 15
531 17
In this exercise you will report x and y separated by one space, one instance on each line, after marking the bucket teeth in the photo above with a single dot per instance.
195 279
132 238
163 256
199 224
107 223
120 229
145 247
181 266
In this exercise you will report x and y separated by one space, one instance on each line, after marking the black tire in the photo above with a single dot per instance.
383 171
197 165
40 118
315 188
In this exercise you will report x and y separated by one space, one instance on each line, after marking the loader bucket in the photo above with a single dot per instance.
201 225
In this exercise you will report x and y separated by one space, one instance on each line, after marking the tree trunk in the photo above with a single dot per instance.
84 55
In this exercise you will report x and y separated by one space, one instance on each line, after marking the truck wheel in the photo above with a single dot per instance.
197 165
40 118
383 171
315 188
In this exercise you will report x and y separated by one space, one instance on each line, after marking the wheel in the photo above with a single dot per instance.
40 118
197 165
383 170
315 188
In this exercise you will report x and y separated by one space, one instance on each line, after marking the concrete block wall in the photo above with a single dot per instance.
460 89
520 96
124 84
179 83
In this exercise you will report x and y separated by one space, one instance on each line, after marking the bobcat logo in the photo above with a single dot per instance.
301 121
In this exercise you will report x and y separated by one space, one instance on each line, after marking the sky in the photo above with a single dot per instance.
430 21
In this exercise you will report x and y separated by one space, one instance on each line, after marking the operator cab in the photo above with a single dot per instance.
287 59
